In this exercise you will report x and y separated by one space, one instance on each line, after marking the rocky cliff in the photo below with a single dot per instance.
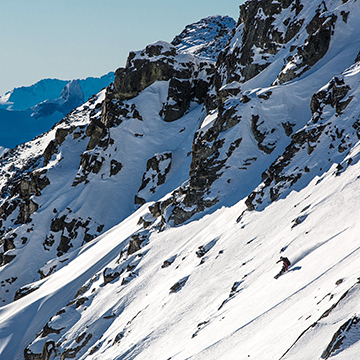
116 138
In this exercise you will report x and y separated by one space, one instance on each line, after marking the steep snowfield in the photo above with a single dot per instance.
230 305
152 217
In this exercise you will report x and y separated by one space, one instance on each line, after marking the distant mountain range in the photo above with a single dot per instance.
28 111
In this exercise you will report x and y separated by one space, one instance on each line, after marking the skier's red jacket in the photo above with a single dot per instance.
285 261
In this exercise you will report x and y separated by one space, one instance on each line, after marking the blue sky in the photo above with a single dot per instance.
69 39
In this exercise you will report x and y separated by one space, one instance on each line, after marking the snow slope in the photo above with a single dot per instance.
152 217
230 306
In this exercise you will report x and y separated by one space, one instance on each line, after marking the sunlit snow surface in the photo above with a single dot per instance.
264 316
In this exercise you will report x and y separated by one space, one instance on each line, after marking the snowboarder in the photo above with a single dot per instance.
286 264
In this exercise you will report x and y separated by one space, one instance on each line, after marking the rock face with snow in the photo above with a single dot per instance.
188 79
151 217
206 38
270 33
334 122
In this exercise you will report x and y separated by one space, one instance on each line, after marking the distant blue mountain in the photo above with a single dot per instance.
28 111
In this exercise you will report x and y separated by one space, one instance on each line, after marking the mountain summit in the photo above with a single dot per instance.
148 222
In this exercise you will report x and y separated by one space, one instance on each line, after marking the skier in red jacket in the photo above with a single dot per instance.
286 264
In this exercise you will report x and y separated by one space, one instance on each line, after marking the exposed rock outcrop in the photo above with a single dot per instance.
156 170
205 38
348 332
188 78
327 126
314 48
262 38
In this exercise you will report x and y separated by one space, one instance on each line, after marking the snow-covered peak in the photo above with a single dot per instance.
155 50
26 97
72 89
71 97
30 110
205 38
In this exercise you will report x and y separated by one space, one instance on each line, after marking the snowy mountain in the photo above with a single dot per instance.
148 222
28 111
205 38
